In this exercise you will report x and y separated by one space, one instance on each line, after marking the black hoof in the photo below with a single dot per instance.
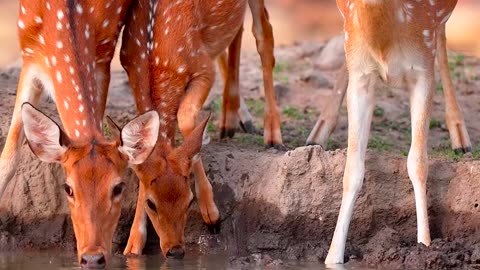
248 127
459 151
227 132
278 146
311 144
215 228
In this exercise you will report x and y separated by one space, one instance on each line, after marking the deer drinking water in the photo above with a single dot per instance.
67 47
394 41
168 51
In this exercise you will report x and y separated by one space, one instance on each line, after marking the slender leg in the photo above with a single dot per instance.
231 100
417 163
262 30
455 123
103 80
327 121
138 232
246 119
28 91
360 103
187 114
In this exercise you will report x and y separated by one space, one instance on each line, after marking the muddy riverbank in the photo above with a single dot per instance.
281 204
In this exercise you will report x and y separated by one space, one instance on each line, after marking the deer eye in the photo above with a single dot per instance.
118 189
151 205
68 190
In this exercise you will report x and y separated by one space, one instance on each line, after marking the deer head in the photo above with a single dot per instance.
168 196
94 173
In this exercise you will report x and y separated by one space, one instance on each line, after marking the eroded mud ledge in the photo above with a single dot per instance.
283 204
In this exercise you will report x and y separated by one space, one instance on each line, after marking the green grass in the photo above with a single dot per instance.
378 111
293 113
279 71
435 123
439 87
455 62
379 144
216 105
332 145
256 107
248 139
211 127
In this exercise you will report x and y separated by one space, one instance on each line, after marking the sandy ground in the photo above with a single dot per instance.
285 204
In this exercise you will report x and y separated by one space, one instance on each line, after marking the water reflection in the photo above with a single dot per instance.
55 259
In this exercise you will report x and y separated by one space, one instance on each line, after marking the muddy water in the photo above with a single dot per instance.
57 260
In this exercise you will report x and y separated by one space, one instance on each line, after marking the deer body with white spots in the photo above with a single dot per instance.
67 47
395 42
169 49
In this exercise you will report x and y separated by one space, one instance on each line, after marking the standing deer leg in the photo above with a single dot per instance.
417 164
102 75
262 30
327 121
360 103
456 125
28 90
138 232
187 114
246 119
231 95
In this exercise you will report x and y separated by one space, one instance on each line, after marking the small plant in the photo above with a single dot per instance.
435 123
216 105
379 144
279 71
332 145
292 113
378 111
256 107
439 87
249 139
211 127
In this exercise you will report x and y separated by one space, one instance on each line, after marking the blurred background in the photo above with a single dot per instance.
293 21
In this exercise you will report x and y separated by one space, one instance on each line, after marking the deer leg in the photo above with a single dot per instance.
138 232
456 125
102 75
327 121
231 100
417 163
187 114
360 103
262 30
28 90
246 119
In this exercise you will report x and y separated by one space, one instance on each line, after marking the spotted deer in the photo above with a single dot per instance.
395 42
67 47
460 140
168 51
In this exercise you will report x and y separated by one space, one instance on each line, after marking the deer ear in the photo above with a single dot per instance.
44 136
181 158
139 137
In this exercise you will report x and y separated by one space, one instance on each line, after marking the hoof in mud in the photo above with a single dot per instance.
248 127
459 151
214 228
227 132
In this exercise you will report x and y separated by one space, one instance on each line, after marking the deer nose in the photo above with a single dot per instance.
96 261
176 252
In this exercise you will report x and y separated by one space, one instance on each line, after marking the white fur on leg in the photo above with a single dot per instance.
417 163
360 107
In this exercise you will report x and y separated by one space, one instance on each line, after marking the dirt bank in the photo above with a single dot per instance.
281 204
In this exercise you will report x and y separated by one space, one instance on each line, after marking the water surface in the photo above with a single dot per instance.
58 260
